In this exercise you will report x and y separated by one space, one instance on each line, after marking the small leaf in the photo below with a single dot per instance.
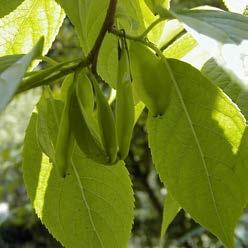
171 208
222 34
11 77
49 112
229 85
198 149
91 207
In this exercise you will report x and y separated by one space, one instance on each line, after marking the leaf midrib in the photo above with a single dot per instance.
178 91
86 203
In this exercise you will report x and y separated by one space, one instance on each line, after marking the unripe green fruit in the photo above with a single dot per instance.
124 103
106 122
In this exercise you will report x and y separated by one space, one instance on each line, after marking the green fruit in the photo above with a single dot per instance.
106 122
85 92
124 103
65 143
86 139
151 81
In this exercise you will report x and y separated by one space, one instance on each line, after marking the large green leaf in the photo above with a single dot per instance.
21 29
198 148
11 77
228 84
223 34
91 207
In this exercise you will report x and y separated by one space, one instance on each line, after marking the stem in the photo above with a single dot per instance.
152 25
167 44
48 60
107 24
28 84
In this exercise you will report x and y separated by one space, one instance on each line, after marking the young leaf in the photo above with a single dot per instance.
11 77
49 112
28 22
228 84
91 207
223 34
197 148
171 208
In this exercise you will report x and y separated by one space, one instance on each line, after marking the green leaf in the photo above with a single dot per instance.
148 84
11 77
87 17
171 208
49 112
91 207
198 149
222 34
237 6
21 29
229 85
8 6
7 61
154 5
108 60
180 47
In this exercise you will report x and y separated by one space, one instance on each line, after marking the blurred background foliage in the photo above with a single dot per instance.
19 226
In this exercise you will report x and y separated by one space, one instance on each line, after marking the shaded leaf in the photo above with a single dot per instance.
8 6
229 85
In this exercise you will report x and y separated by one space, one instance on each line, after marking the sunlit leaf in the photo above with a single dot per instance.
21 29
11 77
91 207
198 148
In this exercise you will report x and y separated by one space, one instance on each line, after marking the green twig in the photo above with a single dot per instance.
48 78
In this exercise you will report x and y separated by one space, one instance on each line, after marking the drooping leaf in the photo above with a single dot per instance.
11 77
91 207
107 63
237 6
21 29
197 147
152 89
229 85
223 34
171 208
